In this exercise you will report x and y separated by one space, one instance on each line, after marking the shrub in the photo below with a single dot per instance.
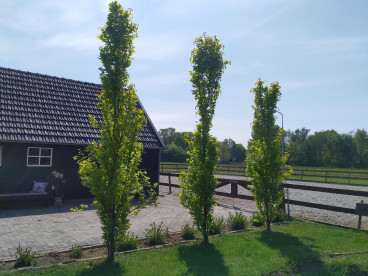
257 220
24 257
76 252
127 242
216 226
156 234
188 232
237 221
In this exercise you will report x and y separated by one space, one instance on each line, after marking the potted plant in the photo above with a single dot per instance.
56 179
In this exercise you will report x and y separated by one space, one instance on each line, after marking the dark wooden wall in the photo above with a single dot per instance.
16 177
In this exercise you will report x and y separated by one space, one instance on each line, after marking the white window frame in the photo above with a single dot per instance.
39 156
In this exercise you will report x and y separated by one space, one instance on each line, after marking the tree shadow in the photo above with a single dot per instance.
302 258
202 259
104 268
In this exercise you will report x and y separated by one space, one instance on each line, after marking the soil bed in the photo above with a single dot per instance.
88 253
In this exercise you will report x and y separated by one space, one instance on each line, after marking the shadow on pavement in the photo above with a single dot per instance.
67 204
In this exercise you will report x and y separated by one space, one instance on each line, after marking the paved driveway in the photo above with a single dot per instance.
49 229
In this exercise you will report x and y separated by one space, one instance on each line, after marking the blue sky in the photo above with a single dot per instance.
316 50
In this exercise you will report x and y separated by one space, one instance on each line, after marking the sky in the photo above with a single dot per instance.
316 50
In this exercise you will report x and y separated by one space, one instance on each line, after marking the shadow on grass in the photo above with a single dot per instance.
202 259
303 259
104 268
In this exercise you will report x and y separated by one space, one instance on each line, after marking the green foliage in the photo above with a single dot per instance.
188 232
238 221
216 225
76 252
231 151
265 163
174 153
156 234
24 257
257 220
127 242
109 168
328 148
199 184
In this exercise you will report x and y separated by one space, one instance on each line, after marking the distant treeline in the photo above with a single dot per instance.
321 149
177 148
327 148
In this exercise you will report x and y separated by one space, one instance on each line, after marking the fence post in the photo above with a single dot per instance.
302 175
234 187
288 205
360 218
326 176
169 183
349 178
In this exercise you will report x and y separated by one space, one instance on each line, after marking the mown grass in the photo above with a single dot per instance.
317 174
296 247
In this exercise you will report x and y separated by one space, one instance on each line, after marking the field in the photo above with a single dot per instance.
294 247
317 174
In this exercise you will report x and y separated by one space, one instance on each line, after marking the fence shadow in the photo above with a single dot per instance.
202 259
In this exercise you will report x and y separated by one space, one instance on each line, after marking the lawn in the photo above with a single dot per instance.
295 247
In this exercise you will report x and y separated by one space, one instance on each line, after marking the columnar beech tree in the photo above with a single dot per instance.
199 184
109 168
265 163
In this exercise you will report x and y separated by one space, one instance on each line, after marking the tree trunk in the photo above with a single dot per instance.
111 241
268 219
205 226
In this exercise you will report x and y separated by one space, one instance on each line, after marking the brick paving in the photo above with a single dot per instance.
52 230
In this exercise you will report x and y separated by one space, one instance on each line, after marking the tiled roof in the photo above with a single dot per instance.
45 109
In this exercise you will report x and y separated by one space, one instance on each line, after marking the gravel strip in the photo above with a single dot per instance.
326 216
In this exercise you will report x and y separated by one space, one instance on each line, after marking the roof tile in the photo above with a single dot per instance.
42 108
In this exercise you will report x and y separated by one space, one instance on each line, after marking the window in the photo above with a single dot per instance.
39 157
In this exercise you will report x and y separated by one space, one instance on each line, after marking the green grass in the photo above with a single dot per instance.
295 247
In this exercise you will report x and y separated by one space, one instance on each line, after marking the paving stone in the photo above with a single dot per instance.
51 230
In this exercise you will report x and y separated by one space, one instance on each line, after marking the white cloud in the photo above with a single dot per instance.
162 46
336 44
75 41
161 81
298 84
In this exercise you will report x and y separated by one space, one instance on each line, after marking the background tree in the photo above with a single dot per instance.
361 142
264 157
238 153
199 184
296 146
109 169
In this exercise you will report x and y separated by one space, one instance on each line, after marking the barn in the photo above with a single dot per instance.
44 123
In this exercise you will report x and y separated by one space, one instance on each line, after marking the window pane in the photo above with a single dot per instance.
45 152
33 151
32 160
45 161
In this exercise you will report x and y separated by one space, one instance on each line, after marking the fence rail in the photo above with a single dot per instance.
327 176
243 183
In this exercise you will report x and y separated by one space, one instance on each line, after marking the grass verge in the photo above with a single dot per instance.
295 247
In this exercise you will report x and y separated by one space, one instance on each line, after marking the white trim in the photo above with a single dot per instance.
39 156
